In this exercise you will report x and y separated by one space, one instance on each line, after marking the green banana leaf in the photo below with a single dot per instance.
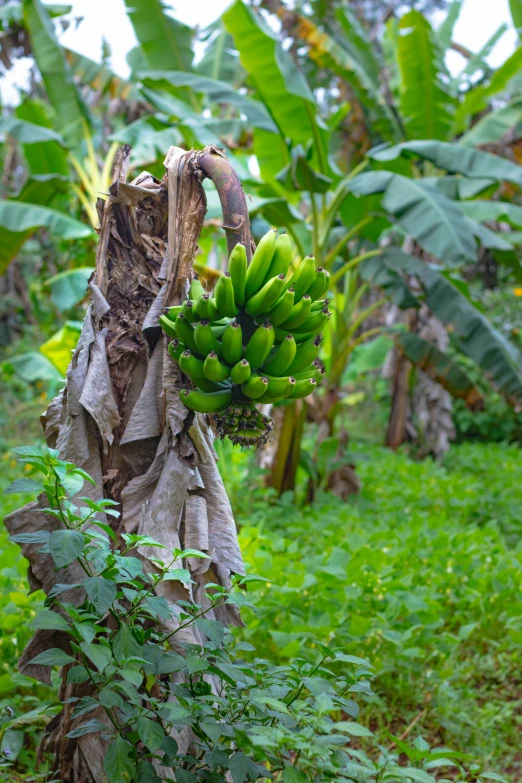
220 60
379 274
453 157
491 128
149 138
19 219
70 110
427 108
478 61
423 211
69 287
358 44
476 336
32 367
461 188
218 92
27 132
46 157
478 98
427 357
337 56
280 85
515 8
100 78
165 42
493 210
444 32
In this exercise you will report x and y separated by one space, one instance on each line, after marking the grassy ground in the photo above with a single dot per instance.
417 575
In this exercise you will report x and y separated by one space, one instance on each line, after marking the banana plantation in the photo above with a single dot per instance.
261 392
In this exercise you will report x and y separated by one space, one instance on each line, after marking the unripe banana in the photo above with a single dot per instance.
299 314
168 326
255 387
281 259
185 333
320 304
280 387
315 322
305 355
282 357
237 267
260 345
303 277
316 288
173 312
224 296
189 311
206 402
210 386
205 339
303 389
206 307
326 284
175 349
240 372
196 289
218 331
266 297
315 370
192 366
260 264
282 308
215 370
232 343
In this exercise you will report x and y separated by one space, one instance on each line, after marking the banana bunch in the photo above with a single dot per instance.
255 340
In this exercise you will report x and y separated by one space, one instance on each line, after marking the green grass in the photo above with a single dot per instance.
417 576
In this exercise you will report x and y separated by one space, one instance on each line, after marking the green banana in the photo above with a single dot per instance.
316 288
210 386
185 333
168 326
215 370
240 372
281 259
196 289
266 297
315 322
282 308
299 314
303 389
224 296
173 312
320 304
255 387
326 284
206 307
305 355
280 387
206 402
237 266
192 366
205 339
218 331
314 370
260 264
232 343
260 345
303 277
282 358
189 310
175 349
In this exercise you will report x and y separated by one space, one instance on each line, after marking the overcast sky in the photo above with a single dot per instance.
107 18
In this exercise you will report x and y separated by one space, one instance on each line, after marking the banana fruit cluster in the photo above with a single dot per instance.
255 340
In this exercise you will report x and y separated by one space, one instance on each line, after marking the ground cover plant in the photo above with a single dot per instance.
417 575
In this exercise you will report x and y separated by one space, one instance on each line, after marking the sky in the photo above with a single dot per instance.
107 18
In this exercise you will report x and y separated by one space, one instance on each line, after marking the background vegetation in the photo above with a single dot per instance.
403 178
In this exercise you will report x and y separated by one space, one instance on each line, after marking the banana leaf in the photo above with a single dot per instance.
218 92
220 60
100 78
280 85
457 158
47 156
493 210
499 359
71 113
444 32
427 108
491 128
440 368
165 42
28 132
69 287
